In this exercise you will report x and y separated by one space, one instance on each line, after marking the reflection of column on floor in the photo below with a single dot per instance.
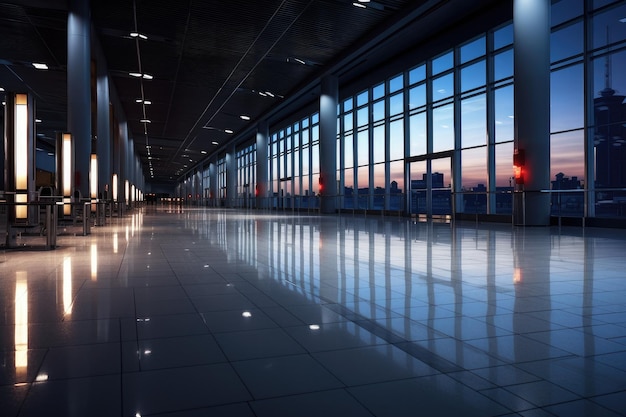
531 263
587 317
456 280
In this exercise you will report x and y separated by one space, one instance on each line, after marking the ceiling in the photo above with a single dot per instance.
210 62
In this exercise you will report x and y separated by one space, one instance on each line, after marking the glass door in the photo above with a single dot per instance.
285 196
430 184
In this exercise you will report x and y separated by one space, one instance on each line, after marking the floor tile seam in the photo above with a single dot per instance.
285 355
297 394
31 385
532 406
400 344
577 396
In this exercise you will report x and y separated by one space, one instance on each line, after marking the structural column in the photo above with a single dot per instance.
262 135
103 143
213 194
231 177
328 144
79 89
531 24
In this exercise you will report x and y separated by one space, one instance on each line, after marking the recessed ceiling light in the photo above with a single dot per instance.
147 76
1 89
269 94
244 117
37 120
228 131
145 121
203 152
40 66
299 61
135 74
147 102
362 6
138 35
215 143
623 20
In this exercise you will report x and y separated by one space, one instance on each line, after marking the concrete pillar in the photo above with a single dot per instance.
213 194
262 136
231 177
103 144
328 144
531 24
79 89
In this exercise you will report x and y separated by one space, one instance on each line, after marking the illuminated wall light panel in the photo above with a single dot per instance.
114 187
67 155
21 155
126 191
93 180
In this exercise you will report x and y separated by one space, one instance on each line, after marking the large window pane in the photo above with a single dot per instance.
504 114
567 99
417 96
348 104
474 180
315 159
608 26
564 10
396 83
378 91
379 144
396 176
378 110
473 50
348 150
610 121
504 178
362 99
443 63
503 65
417 74
396 140
348 191
306 170
566 42
503 36
362 116
363 187
443 128
473 76
379 187
474 121
443 87
363 148
474 168
417 140
396 104
567 164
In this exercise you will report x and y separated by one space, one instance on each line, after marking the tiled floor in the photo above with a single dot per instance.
232 313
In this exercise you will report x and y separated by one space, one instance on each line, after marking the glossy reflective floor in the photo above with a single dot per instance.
232 313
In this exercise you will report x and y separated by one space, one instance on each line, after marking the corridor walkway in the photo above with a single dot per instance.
206 312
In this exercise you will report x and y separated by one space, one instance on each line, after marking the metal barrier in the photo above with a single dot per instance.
48 228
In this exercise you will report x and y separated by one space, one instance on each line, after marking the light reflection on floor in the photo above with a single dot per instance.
224 312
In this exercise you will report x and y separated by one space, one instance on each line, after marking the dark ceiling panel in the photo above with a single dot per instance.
210 59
